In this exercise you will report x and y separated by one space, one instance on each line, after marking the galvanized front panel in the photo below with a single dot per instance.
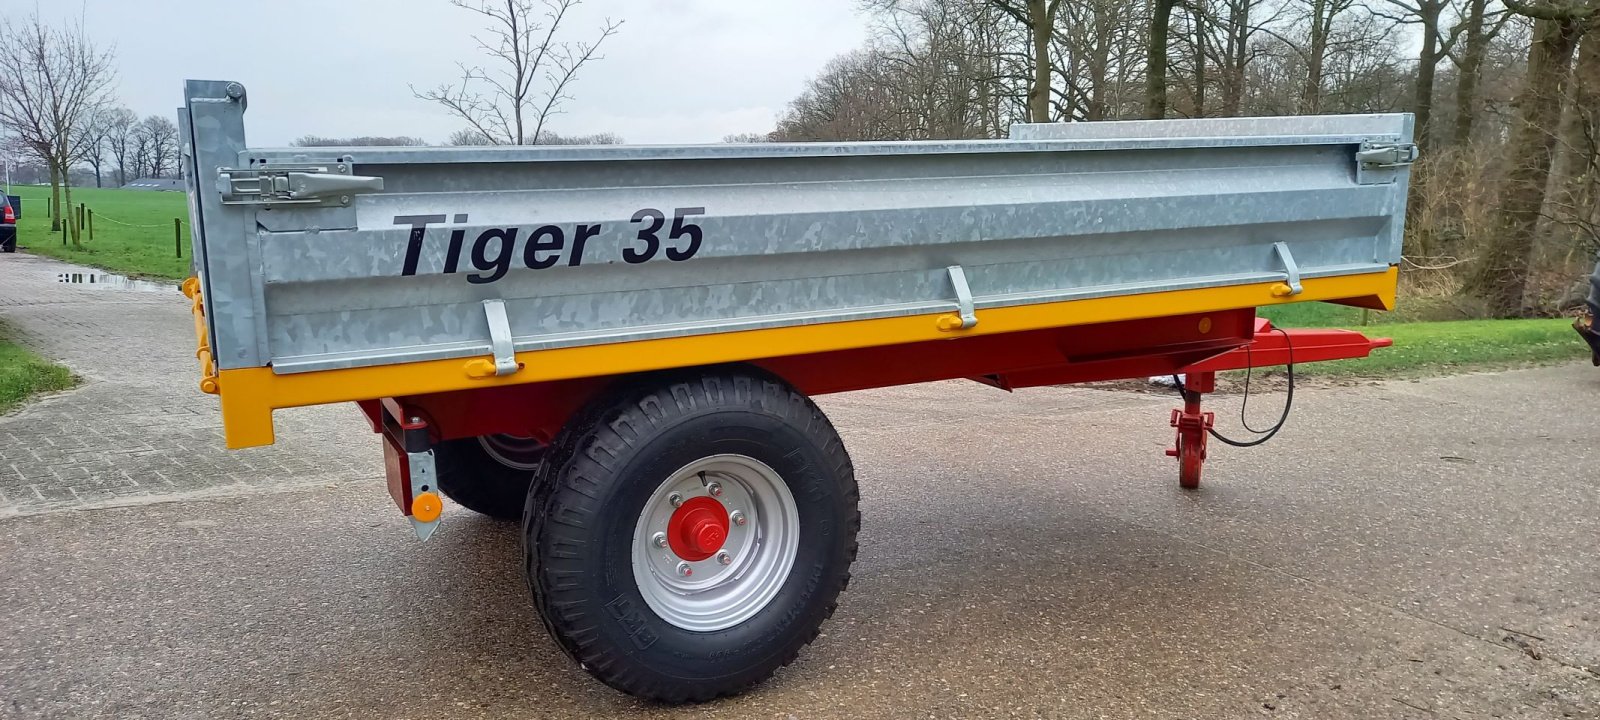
790 234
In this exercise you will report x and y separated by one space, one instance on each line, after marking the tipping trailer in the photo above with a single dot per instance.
618 345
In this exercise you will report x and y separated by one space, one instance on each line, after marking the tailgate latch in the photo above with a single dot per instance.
323 184
1373 159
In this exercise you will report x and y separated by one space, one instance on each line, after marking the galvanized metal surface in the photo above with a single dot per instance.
754 236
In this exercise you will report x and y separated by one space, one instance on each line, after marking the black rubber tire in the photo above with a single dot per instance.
579 524
475 480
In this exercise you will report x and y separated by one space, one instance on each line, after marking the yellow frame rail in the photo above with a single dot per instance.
249 395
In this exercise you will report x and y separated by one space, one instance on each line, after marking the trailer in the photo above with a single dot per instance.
618 346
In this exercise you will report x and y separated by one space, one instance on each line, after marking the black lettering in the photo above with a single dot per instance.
454 256
419 226
584 233
681 229
648 235
500 263
547 239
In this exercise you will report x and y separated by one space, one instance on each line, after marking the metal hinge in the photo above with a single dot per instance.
329 184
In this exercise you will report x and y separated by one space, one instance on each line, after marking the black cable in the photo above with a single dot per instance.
1288 401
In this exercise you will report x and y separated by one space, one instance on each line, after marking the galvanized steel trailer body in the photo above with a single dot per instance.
393 262
502 296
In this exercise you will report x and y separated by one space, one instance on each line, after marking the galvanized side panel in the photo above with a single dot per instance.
598 245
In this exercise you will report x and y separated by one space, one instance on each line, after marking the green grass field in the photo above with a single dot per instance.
24 374
132 230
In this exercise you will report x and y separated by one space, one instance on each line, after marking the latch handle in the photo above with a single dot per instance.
1386 156
500 345
1291 272
965 316
300 185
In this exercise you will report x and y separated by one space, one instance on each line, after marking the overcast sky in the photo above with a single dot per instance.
677 71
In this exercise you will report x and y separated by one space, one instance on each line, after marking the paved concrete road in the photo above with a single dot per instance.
1406 550
139 429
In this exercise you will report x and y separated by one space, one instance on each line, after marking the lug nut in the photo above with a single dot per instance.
724 558
684 569
659 540
738 518
714 489
675 499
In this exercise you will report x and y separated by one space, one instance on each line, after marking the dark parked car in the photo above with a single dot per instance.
9 212
1585 324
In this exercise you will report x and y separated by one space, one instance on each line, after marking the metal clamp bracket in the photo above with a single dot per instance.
1291 284
423 480
1384 155
505 354
1373 157
967 316
327 184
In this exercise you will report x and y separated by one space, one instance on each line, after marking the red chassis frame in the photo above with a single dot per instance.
1198 346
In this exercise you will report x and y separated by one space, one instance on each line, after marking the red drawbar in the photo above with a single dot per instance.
698 528
1274 346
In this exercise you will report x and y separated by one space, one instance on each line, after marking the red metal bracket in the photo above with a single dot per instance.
1274 346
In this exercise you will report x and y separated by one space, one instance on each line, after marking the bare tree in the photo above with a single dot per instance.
1322 17
533 75
603 138
1577 206
120 124
467 137
362 141
471 137
54 81
1237 22
1501 277
159 139
1039 17
1100 50
1479 28
97 133
139 157
1437 41
1155 76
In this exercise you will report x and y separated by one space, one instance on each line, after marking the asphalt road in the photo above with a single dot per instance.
1403 550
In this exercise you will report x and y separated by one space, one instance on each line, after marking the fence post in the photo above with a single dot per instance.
91 224
177 236
64 225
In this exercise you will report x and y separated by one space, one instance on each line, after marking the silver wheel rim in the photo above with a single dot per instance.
760 553
513 451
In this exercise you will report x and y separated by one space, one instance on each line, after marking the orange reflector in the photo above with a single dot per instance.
426 507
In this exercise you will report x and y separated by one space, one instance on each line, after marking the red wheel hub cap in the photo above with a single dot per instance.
698 528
